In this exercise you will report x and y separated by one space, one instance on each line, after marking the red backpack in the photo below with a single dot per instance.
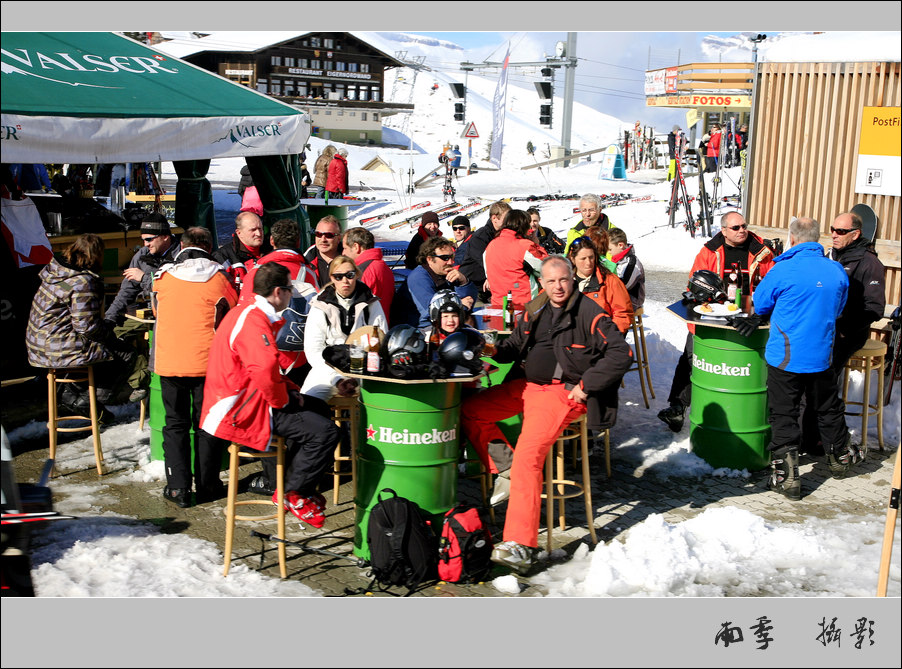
465 545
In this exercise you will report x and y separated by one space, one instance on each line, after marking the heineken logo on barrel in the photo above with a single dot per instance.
721 369
387 435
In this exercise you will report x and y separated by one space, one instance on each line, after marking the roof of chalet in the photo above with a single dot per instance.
246 41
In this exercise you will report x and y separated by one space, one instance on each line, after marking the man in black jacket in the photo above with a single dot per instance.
573 360
865 305
472 267
246 248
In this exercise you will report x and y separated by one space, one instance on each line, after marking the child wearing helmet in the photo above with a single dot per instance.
447 314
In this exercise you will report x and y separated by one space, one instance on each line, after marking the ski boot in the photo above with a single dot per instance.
841 458
784 476
674 415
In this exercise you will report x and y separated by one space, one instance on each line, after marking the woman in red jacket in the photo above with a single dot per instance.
599 283
337 181
513 262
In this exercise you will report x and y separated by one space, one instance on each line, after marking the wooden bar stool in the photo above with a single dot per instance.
345 410
53 420
277 451
640 355
607 452
869 358
556 484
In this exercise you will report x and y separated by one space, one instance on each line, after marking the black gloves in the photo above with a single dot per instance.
745 325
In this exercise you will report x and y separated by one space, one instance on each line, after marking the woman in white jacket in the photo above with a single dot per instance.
341 307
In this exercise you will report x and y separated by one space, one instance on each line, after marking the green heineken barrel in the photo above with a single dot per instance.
729 398
156 418
410 442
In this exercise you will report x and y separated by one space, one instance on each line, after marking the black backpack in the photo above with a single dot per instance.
403 548
465 546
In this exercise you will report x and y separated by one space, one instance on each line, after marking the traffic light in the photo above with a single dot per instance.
545 115
459 111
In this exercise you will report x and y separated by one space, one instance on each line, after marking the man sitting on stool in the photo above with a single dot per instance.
247 399
574 358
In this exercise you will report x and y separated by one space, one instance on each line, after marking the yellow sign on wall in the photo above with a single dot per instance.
879 170
881 132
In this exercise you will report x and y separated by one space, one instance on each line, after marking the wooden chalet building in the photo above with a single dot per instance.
337 78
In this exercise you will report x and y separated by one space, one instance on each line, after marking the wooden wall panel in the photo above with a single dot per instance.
805 136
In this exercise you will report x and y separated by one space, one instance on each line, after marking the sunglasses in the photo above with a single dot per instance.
582 241
842 231
458 228
327 235
149 239
348 276
442 256
734 228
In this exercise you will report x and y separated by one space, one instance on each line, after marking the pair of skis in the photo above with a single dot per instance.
679 194
411 220
389 214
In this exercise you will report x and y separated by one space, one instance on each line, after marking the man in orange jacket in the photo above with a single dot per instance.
190 297
733 244
247 399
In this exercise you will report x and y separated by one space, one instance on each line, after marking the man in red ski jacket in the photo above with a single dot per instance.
247 399
360 246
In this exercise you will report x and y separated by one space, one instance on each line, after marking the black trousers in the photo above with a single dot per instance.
843 348
784 395
681 386
311 436
183 397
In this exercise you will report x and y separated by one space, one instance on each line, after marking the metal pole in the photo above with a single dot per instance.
751 136
569 82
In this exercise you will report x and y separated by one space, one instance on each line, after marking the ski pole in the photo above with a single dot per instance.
358 562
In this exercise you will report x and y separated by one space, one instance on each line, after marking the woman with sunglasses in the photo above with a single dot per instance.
599 283
513 262
341 307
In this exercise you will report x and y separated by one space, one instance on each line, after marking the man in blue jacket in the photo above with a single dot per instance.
804 293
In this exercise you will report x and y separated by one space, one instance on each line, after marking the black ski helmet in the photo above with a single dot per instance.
446 301
707 286
460 353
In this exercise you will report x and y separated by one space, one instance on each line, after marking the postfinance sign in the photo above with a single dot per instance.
879 147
